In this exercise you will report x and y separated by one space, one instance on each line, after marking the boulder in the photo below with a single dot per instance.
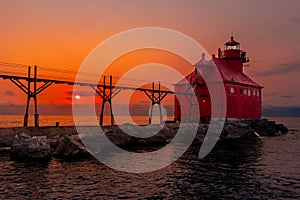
5 150
7 137
120 139
25 147
270 131
53 143
168 134
237 131
203 129
263 123
70 148
282 128
265 127
160 135
156 140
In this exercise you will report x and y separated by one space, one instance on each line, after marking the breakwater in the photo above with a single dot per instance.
64 142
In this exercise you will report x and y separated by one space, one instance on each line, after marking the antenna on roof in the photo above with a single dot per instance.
232 37
203 56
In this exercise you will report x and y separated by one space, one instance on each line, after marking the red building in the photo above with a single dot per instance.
243 95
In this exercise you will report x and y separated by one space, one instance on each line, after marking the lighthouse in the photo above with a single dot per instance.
243 95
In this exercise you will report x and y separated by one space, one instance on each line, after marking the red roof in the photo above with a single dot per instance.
232 42
204 63
189 78
228 73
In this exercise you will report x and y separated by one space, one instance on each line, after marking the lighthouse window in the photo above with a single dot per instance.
232 90
241 91
254 94
249 92
245 92
257 94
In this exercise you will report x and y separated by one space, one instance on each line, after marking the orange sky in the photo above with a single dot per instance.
61 34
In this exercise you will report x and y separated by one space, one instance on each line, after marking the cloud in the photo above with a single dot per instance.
296 20
44 109
272 94
10 93
82 93
68 98
288 96
11 109
142 109
284 100
282 68
66 109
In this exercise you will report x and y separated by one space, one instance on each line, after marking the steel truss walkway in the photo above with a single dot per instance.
106 91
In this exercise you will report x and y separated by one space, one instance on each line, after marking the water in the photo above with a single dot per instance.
266 168
50 120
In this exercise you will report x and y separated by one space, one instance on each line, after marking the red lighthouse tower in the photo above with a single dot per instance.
243 95
234 56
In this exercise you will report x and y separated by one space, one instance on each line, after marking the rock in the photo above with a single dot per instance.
70 148
272 132
203 129
234 130
156 140
283 129
76 138
160 136
53 143
6 141
168 135
120 139
199 139
228 129
5 150
7 137
262 124
265 127
23 135
25 147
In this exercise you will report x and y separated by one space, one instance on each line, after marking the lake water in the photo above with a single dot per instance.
50 120
265 168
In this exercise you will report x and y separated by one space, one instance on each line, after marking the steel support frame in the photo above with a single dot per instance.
31 93
156 96
106 92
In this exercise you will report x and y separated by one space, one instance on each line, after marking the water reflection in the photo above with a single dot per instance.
235 169
229 167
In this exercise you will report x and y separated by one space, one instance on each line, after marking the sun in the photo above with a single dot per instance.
77 97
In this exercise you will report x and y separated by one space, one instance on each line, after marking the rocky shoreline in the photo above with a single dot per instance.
43 143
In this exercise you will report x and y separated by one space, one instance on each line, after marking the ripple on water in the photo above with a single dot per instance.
235 169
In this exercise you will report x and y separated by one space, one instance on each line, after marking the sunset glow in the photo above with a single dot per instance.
61 35
149 99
